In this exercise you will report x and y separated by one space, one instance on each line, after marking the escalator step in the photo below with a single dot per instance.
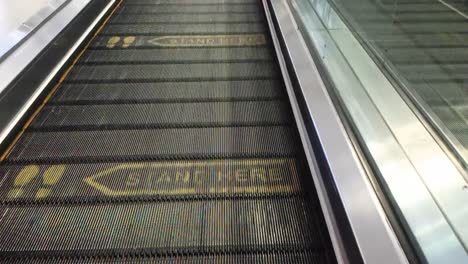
190 2
265 258
163 115
203 42
164 227
187 29
169 92
160 56
174 72
158 9
270 141
186 18
176 180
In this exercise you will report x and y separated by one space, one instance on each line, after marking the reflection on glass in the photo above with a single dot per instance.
415 46
423 44
20 17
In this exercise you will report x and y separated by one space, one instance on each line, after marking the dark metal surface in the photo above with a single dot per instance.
168 92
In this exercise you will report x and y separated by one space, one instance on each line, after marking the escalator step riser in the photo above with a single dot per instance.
272 258
163 115
166 225
174 72
154 144
160 56
187 29
186 18
203 42
155 9
75 183
169 91
190 2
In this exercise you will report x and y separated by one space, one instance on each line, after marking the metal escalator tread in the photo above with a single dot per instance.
186 18
275 141
201 91
254 113
173 180
203 42
264 258
174 72
170 141
187 29
175 55
209 8
192 2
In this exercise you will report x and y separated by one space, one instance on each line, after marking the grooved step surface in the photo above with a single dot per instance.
163 180
261 258
169 91
217 42
173 72
155 144
163 115
190 2
177 55
186 29
270 224
187 18
156 9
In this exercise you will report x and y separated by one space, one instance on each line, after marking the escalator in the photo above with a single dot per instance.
170 140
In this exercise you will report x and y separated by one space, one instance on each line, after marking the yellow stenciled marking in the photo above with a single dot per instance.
42 193
128 41
53 174
209 40
50 177
221 176
25 176
112 42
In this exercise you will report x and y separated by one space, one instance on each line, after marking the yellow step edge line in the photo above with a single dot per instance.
54 89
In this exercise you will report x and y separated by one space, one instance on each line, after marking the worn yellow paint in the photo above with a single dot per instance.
50 177
15 193
239 181
209 40
127 41
112 42
26 175
53 174
43 193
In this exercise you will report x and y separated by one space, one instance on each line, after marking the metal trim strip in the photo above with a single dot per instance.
364 211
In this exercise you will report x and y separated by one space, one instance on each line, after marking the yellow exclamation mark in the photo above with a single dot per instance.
128 41
112 42
51 176
25 176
